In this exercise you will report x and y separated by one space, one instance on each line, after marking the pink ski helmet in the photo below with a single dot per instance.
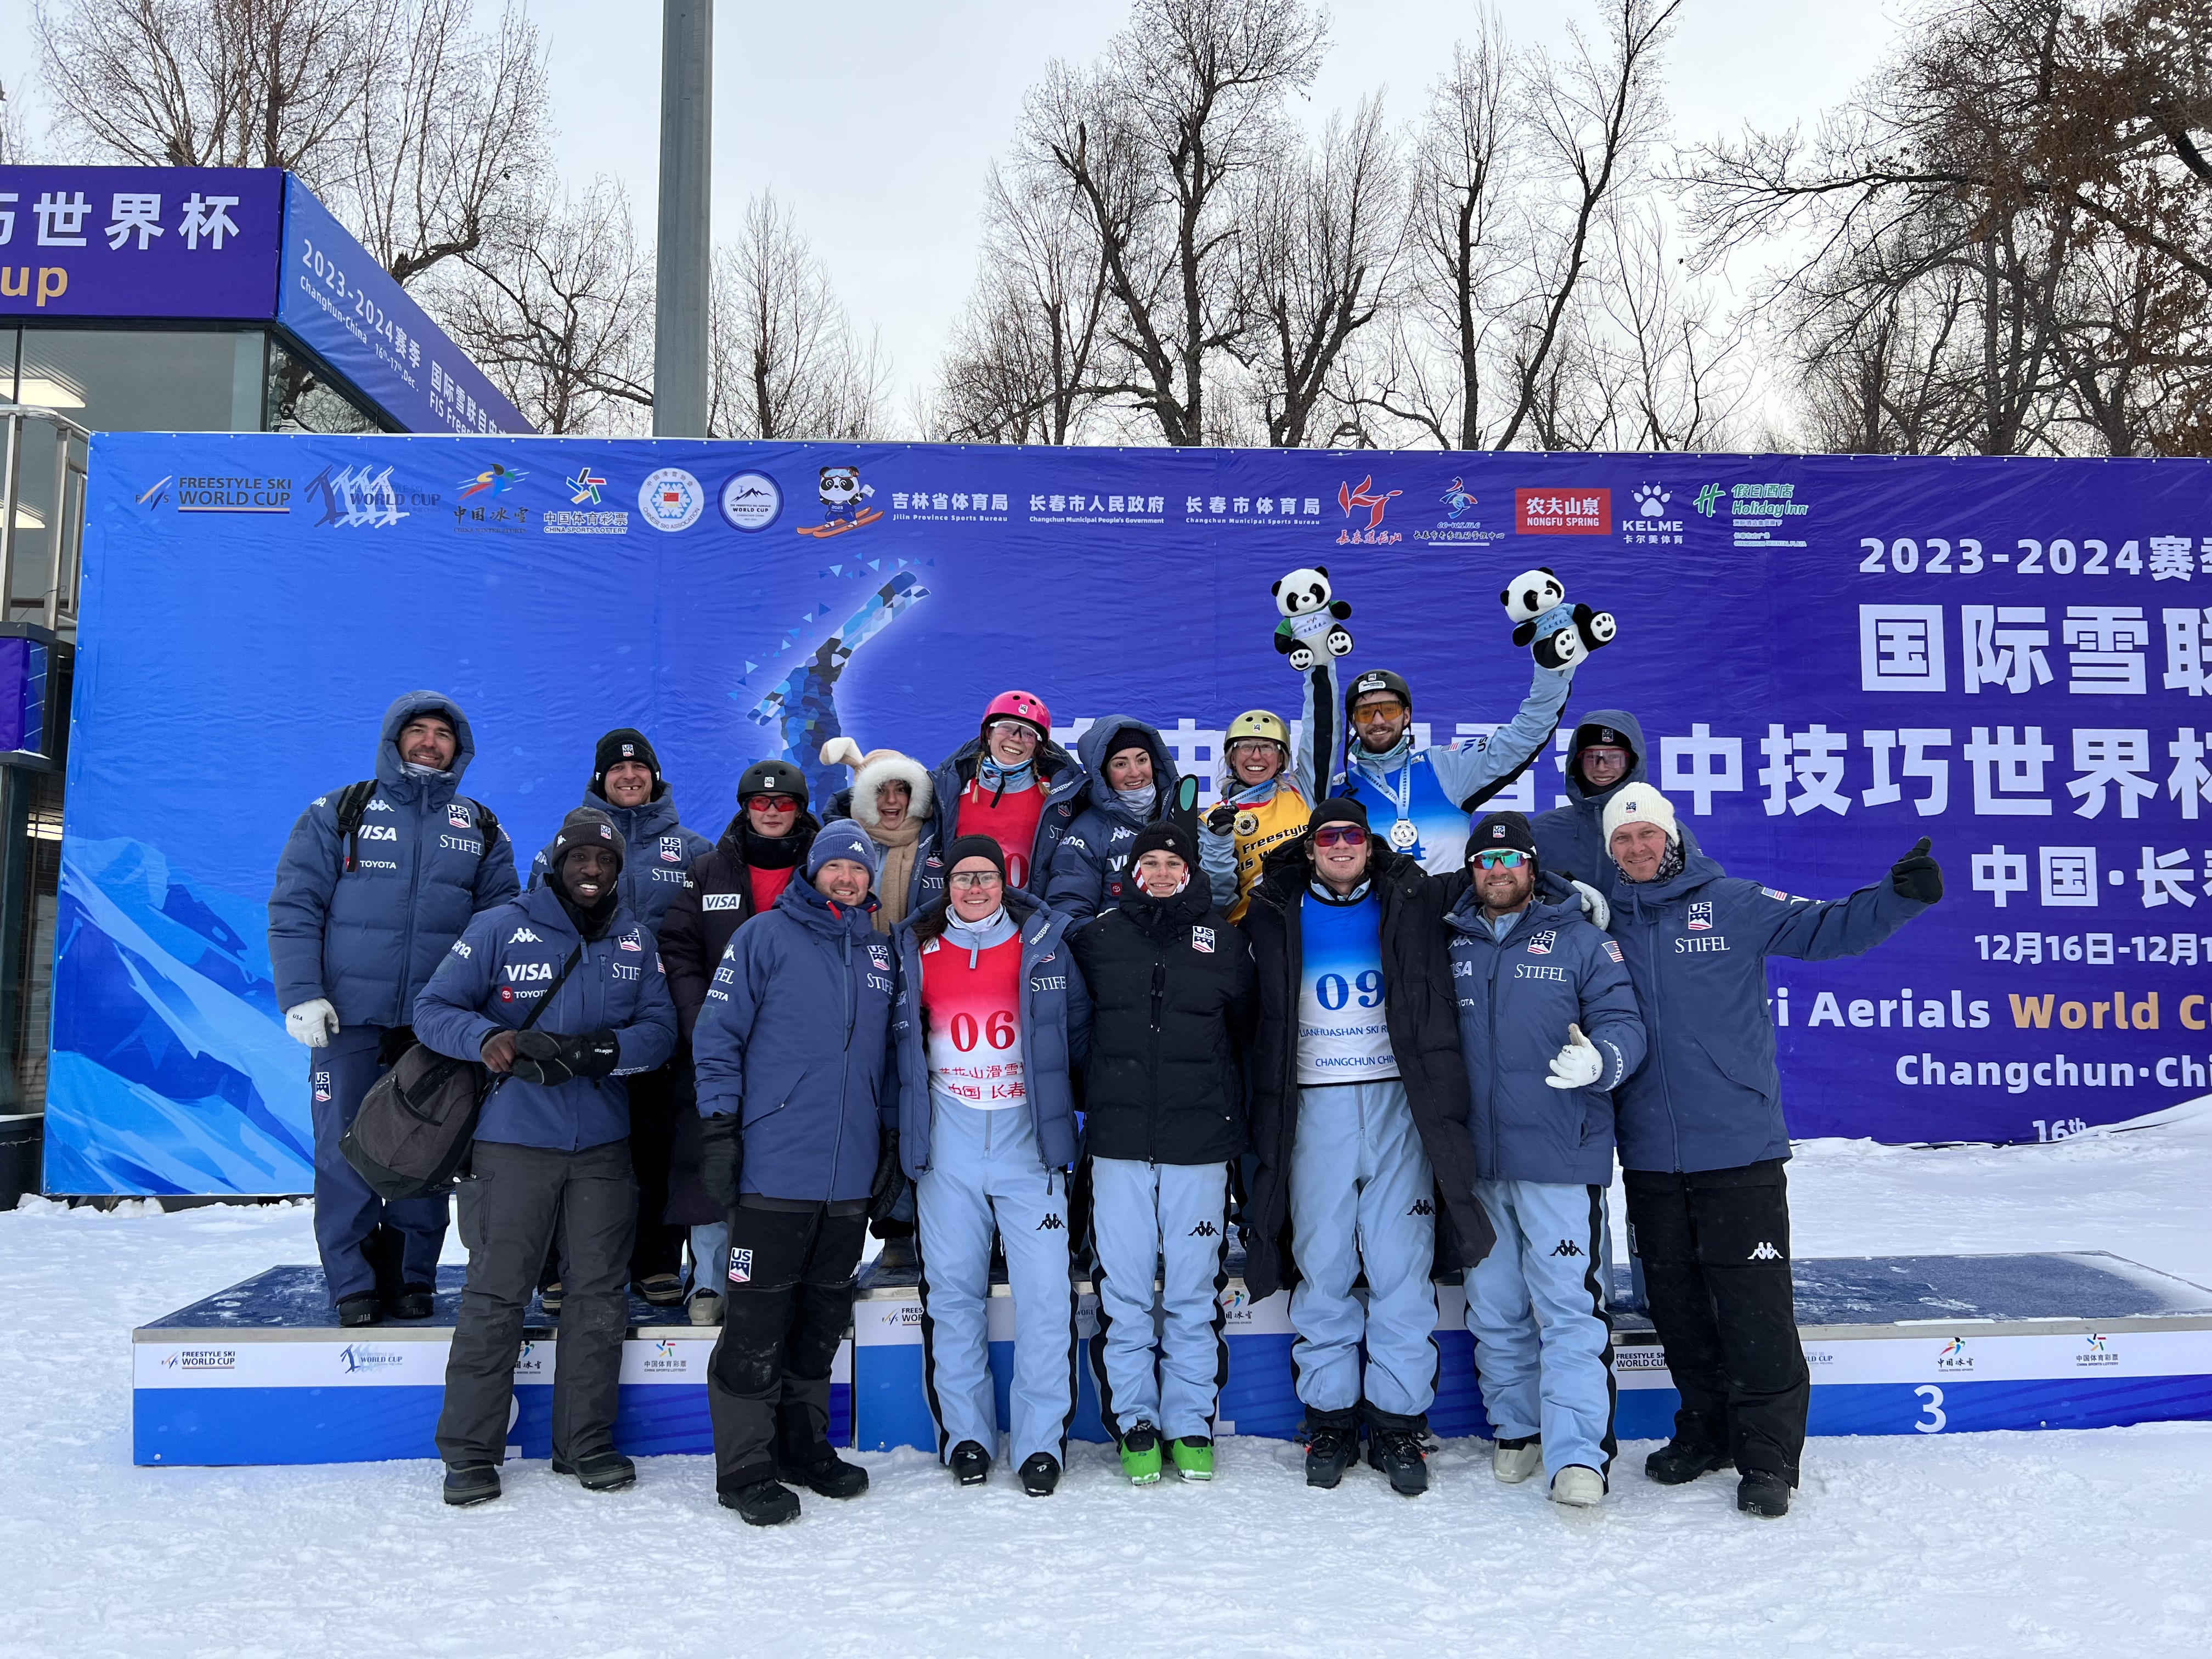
1021 706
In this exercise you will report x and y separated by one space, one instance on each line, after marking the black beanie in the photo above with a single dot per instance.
585 826
975 846
1129 737
1508 830
624 743
1163 836
1338 809
773 777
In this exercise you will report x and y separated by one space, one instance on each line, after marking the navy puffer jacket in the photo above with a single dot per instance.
794 1037
657 851
369 939
1091 863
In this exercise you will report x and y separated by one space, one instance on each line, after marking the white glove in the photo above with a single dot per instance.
1579 1064
1594 905
312 1022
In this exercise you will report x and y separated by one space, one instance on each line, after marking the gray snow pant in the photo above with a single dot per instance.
517 1198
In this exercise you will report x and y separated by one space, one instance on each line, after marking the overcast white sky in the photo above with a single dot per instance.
876 120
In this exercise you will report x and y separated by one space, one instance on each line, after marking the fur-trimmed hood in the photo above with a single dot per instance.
875 769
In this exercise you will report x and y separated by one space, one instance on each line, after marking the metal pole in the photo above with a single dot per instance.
8 491
57 526
684 248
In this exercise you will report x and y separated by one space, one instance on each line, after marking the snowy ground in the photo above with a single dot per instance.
1997 1544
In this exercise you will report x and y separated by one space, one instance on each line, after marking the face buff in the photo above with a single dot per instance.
999 779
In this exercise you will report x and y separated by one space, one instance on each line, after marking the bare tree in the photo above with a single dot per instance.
785 363
1020 367
1679 372
1320 261
13 150
558 311
1154 141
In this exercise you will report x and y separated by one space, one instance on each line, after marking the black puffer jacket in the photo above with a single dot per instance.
1171 1001
1422 1018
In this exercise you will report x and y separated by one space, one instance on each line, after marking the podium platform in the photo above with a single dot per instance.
260 1373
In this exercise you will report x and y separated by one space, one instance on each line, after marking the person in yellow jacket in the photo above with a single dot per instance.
1267 793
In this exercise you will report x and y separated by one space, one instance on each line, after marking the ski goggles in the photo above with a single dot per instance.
771 804
1013 728
973 880
1502 858
1340 834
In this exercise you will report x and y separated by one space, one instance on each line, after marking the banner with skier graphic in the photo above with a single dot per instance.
1831 658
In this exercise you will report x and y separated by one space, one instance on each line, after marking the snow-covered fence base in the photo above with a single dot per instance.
1898 1345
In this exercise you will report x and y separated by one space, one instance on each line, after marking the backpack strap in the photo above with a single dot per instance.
487 825
351 803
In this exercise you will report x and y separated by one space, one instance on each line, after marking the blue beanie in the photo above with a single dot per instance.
842 838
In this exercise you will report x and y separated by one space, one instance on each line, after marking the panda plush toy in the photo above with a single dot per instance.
1313 617
1559 634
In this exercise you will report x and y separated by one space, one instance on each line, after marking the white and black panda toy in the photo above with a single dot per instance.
1312 617
1559 634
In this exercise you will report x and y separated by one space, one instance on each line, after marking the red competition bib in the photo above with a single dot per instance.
1012 824
975 1021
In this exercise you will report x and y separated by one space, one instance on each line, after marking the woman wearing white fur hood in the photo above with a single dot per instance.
892 799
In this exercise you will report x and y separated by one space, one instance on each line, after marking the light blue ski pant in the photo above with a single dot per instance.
1173 1217
1362 1196
985 1173
1542 1347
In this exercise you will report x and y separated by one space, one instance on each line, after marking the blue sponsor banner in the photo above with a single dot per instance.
89 242
343 307
1831 658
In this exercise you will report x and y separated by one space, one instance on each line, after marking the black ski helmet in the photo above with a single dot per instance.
1376 679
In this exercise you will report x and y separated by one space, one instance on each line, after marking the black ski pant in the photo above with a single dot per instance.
1715 1246
515 1202
652 1106
787 1303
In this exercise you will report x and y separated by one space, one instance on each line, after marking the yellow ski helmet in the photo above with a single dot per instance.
1258 723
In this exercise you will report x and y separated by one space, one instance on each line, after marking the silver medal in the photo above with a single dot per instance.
1403 835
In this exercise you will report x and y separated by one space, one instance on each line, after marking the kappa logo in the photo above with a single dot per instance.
1765 1252
1566 1247
1201 940
1539 944
378 804
524 936
1053 1222
672 849
1701 915
1205 1229
741 1266
1422 1206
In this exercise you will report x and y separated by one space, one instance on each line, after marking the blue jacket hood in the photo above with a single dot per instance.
1544 910
391 771
1629 727
808 904
1092 751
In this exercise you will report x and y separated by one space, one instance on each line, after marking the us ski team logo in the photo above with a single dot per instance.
672 849
741 1266
1539 944
457 816
1701 915
1201 939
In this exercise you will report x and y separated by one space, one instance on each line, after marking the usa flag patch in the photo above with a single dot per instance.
741 1266
1613 950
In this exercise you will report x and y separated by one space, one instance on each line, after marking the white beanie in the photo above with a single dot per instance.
1639 803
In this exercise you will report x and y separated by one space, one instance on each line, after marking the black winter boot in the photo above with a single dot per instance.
1763 1493
761 1503
1398 1446
1332 1445
362 1309
413 1302
1678 1462
601 1471
803 1458
1039 1475
971 1464
471 1483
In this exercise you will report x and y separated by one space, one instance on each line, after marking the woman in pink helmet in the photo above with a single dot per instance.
1012 783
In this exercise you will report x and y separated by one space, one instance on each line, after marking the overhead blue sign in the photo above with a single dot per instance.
1831 658
235 244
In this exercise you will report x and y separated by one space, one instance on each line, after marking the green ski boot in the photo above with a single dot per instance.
1141 1455
1193 1457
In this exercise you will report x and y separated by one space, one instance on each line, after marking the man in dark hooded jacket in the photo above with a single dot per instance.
551 1155
1702 1141
1359 1120
1604 756
359 919
726 887
1132 783
792 1059
657 851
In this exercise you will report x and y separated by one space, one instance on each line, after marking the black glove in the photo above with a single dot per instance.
724 1157
1222 819
537 1059
890 1178
1916 876
595 1054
